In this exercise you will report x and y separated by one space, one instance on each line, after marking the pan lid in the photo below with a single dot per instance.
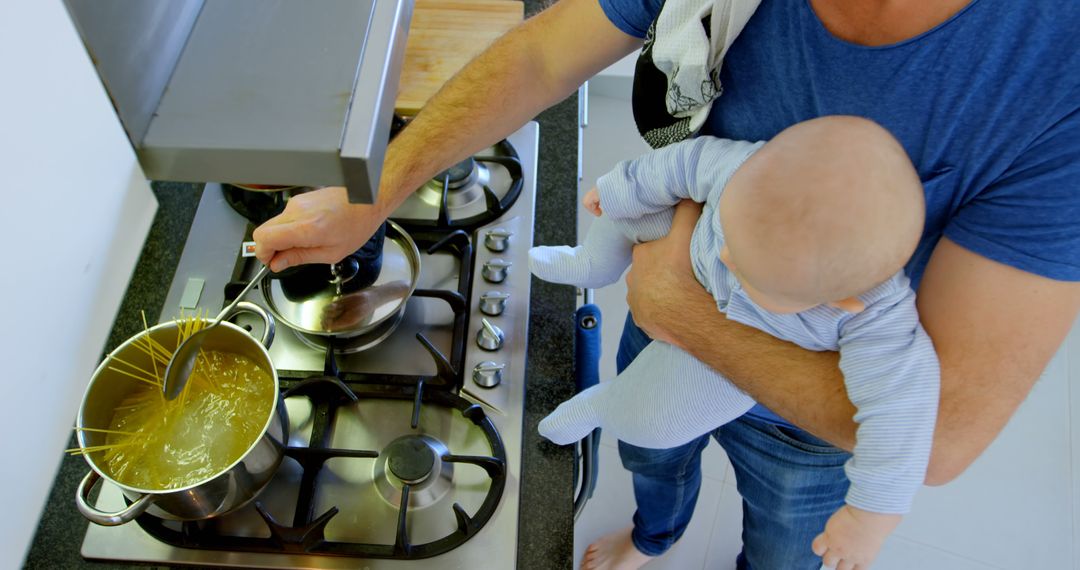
325 304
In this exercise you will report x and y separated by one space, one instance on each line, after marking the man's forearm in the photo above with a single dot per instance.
990 346
667 301
804 387
459 120
528 69
532 67
987 368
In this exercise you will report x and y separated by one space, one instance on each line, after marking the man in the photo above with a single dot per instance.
984 96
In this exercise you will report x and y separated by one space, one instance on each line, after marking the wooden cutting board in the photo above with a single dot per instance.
443 36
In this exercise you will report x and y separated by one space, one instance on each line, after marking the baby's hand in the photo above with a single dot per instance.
591 201
853 537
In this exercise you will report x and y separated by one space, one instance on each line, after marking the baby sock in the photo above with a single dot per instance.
597 262
665 398
605 253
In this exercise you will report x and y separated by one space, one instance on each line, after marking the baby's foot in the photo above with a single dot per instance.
573 419
569 266
614 551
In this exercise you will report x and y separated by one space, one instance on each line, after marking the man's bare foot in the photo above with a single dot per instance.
614 551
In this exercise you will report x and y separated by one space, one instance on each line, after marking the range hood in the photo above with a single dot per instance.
295 92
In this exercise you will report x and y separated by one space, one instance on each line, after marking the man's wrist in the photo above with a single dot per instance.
682 315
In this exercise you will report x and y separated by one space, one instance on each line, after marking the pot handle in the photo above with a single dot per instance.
82 500
249 307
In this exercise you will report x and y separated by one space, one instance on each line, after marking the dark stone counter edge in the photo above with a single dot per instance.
545 535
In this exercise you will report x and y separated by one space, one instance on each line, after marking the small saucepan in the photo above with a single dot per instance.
359 295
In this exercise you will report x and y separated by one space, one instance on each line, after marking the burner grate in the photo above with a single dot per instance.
355 517
306 533
334 389
504 156
450 372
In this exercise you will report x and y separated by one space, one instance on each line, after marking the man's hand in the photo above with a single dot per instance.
661 285
316 227
853 537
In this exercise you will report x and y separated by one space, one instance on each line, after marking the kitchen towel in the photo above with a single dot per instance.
677 76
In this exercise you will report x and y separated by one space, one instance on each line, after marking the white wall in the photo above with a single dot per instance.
74 213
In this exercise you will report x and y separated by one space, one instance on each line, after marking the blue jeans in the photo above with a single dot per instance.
789 480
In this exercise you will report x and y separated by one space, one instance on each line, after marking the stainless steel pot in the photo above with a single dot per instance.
218 494
327 310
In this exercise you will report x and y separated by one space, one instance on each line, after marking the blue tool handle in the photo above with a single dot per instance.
586 347
586 375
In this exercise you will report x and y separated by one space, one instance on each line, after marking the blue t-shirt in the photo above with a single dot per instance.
987 105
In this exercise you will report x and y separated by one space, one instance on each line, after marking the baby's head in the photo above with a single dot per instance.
828 209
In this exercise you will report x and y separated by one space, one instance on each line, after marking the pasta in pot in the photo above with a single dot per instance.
159 444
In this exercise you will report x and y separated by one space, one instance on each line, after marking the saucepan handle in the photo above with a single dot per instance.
82 500
248 307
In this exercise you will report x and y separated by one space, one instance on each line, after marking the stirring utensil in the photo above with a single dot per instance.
183 360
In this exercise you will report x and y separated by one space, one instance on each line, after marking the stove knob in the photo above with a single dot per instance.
494 271
493 303
488 374
497 239
489 337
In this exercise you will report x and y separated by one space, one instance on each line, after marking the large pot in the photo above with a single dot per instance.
215 495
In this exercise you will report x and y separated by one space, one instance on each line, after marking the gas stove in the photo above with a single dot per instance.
404 452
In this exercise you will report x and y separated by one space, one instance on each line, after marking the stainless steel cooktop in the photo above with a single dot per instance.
349 451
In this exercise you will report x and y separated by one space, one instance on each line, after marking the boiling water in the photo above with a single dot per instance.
170 444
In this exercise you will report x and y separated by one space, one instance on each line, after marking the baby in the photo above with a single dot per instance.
803 237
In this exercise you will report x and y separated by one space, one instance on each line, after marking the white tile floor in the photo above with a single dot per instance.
1015 508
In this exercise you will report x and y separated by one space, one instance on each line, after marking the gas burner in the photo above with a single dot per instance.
467 195
415 461
464 184
313 506
462 174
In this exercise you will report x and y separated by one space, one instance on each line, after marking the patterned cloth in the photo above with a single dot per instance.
678 72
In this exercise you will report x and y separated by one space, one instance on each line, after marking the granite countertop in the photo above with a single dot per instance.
545 537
